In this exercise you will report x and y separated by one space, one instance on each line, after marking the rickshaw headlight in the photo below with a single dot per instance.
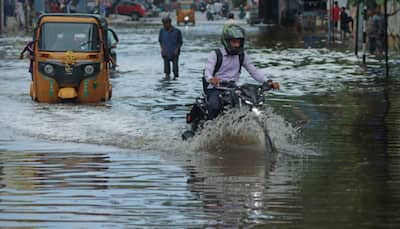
48 69
89 69
186 18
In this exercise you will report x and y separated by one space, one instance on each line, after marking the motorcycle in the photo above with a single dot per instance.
242 14
248 97
210 16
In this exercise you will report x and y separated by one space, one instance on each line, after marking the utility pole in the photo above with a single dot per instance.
364 45
1 16
357 27
329 21
386 39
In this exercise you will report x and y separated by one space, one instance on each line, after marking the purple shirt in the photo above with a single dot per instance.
229 70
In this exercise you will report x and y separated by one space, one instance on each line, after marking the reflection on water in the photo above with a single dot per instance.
231 179
123 164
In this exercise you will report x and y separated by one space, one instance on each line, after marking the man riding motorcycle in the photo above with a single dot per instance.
224 65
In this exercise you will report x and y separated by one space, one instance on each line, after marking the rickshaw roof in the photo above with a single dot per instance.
185 1
100 19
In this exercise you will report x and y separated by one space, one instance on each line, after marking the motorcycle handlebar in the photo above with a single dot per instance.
232 85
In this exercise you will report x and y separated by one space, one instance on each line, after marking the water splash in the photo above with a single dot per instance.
240 127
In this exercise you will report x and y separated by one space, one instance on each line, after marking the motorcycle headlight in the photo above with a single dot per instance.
89 69
186 18
256 111
247 102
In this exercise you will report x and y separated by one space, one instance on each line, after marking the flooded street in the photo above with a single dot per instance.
122 163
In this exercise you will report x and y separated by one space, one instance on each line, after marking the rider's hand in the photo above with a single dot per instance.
276 86
214 81
271 85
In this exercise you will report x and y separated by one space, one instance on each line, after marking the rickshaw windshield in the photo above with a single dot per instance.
186 6
60 36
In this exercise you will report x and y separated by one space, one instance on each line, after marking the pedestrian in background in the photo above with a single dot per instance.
20 13
8 11
335 15
379 23
170 39
373 30
345 20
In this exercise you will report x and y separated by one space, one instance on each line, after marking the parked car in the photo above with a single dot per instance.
131 8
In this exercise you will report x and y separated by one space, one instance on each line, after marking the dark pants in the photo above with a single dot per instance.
214 105
114 57
167 66
372 44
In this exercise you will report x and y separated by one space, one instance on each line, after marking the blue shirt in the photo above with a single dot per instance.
170 40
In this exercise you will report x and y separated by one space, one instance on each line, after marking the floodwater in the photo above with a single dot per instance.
122 164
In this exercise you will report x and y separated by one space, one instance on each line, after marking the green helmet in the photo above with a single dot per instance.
232 31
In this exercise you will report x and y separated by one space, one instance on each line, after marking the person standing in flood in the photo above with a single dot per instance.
345 19
28 48
373 28
335 15
170 39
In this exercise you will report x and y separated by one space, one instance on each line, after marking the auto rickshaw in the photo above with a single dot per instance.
71 59
185 12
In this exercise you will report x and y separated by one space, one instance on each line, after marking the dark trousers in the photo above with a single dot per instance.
167 66
214 105
372 44
114 57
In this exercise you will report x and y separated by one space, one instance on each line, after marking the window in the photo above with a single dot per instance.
60 36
